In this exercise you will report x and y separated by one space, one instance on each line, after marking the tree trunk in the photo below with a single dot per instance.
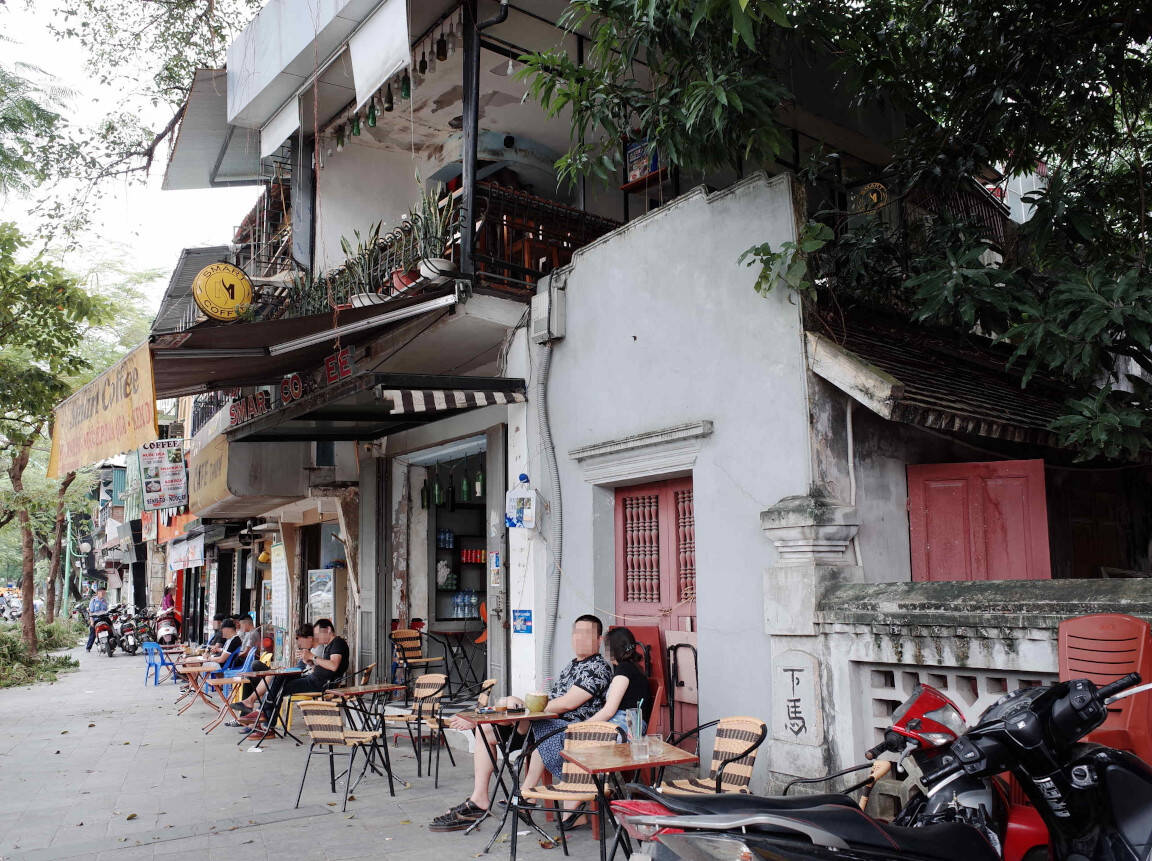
16 468
56 547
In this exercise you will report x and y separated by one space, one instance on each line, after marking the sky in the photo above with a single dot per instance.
139 224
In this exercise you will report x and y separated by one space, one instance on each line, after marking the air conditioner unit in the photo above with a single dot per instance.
547 319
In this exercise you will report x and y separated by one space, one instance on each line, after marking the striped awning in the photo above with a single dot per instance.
411 401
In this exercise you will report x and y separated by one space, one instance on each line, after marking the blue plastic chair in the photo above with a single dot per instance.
157 661
243 668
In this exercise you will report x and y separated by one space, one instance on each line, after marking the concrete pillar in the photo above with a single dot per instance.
812 535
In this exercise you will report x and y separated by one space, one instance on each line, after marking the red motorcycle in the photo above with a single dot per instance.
923 730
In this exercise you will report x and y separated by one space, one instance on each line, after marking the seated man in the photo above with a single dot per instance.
577 695
213 644
323 670
249 640
230 644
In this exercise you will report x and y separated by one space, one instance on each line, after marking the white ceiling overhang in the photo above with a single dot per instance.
207 151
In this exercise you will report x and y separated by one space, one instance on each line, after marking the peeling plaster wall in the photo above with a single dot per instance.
663 329
419 600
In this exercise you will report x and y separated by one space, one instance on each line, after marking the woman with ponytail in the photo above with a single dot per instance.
629 687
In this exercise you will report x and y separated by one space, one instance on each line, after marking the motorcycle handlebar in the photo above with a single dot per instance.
1120 684
874 752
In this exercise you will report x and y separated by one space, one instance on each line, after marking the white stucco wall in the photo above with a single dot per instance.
664 328
357 187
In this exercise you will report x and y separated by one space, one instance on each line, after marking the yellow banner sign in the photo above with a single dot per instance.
114 413
208 475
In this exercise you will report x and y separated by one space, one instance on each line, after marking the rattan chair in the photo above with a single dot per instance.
427 694
408 648
325 723
733 756
575 783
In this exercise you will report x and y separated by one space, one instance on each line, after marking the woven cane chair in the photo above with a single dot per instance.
427 694
575 783
733 756
325 723
408 646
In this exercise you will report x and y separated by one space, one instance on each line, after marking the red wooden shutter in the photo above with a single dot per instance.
978 521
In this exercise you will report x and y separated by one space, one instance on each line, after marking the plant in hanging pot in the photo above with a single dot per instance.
432 222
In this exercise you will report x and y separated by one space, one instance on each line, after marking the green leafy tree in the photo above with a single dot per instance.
43 315
1018 84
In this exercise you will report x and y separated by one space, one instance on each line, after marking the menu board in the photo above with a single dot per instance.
162 474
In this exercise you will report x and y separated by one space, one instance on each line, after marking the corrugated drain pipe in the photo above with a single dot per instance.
556 511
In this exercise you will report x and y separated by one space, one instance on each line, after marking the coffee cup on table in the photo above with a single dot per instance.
535 701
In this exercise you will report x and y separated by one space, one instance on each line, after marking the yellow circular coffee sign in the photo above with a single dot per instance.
222 291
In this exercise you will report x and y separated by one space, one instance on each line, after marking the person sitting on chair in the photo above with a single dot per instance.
229 645
577 695
326 668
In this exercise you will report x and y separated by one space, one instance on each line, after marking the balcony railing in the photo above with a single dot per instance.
205 406
520 238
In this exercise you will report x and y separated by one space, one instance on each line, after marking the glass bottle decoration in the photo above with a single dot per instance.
405 86
464 489
340 138
423 67
371 117
437 490
479 483
356 124
424 494
388 103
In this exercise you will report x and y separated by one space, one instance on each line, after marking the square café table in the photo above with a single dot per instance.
609 760
512 789
254 676
352 702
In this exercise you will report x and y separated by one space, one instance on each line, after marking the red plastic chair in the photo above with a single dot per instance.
1102 648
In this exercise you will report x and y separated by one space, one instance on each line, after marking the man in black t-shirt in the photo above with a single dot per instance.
325 668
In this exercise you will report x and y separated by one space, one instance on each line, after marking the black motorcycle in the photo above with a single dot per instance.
1095 801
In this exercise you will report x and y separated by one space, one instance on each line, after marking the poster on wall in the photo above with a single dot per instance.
521 621
162 474
320 594
278 587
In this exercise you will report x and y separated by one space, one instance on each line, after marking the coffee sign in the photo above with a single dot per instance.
163 474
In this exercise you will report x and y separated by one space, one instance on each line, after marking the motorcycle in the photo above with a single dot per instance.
127 630
168 627
1095 802
107 638
146 624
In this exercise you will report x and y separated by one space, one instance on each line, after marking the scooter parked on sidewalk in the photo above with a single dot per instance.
107 638
125 623
1096 802
168 627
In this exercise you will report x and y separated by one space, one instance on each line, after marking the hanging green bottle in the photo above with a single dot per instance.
372 112
356 124
424 494
437 490
479 484
464 489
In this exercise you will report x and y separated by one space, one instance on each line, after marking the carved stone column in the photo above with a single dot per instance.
812 537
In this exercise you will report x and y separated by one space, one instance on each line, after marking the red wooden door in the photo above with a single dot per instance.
978 521
656 567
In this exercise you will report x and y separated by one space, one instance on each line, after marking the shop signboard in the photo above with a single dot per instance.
208 475
279 597
114 413
163 475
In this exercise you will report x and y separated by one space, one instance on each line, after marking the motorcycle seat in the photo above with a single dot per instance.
739 803
944 842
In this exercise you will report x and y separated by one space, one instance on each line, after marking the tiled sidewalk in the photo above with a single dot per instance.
98 766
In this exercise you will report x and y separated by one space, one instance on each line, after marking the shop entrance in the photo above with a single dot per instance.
450 547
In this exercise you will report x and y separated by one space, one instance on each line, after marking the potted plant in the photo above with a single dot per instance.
359 277
432 222
403 251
